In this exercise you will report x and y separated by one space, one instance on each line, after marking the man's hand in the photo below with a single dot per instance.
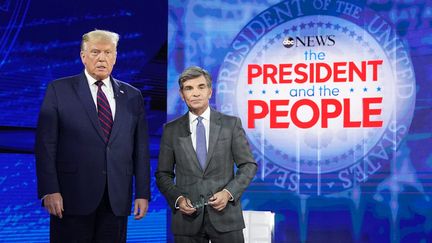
53 203
185 206
140 210
219 200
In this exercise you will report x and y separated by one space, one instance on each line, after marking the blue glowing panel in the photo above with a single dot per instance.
22 219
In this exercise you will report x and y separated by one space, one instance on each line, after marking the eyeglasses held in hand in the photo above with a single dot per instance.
203 201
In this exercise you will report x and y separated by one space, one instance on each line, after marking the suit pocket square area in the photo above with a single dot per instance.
224 140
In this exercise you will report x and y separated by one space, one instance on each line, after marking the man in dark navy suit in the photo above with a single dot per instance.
91 141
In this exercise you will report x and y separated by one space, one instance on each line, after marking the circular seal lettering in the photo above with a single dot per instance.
324 96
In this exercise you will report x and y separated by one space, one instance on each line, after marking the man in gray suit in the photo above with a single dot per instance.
196 167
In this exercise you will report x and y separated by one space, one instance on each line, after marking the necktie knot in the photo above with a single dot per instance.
199 119
99 83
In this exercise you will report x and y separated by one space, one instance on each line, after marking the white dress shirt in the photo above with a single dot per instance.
106 88
193 124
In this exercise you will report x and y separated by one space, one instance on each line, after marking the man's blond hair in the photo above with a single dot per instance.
99 35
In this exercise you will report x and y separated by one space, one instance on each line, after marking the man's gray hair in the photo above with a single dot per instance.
100 35
194 72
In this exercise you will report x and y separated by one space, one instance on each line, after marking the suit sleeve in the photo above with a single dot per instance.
141 154
46 144
165 171
244 160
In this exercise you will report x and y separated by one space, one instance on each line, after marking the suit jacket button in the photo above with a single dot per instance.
104 172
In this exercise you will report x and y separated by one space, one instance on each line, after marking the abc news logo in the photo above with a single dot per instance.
309 41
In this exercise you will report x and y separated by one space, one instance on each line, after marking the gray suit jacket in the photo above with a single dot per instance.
177 159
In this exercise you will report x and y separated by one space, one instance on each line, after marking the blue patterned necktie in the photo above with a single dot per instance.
104 112
201 148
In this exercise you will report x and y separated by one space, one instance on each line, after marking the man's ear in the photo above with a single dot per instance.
181 94
82 56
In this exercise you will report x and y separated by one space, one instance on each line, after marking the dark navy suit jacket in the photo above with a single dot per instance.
72 157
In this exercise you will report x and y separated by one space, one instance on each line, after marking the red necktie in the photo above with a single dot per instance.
104 112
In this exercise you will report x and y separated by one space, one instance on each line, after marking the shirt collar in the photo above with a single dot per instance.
205 115
92 81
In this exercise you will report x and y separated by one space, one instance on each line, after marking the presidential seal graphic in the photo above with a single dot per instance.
12 15
325 91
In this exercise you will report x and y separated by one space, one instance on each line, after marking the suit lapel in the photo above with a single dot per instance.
215 126
185 141
120 97
84 94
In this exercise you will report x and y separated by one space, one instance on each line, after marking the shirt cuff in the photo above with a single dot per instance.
231 196
175 204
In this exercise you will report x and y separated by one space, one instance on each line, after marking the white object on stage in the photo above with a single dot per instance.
259 226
